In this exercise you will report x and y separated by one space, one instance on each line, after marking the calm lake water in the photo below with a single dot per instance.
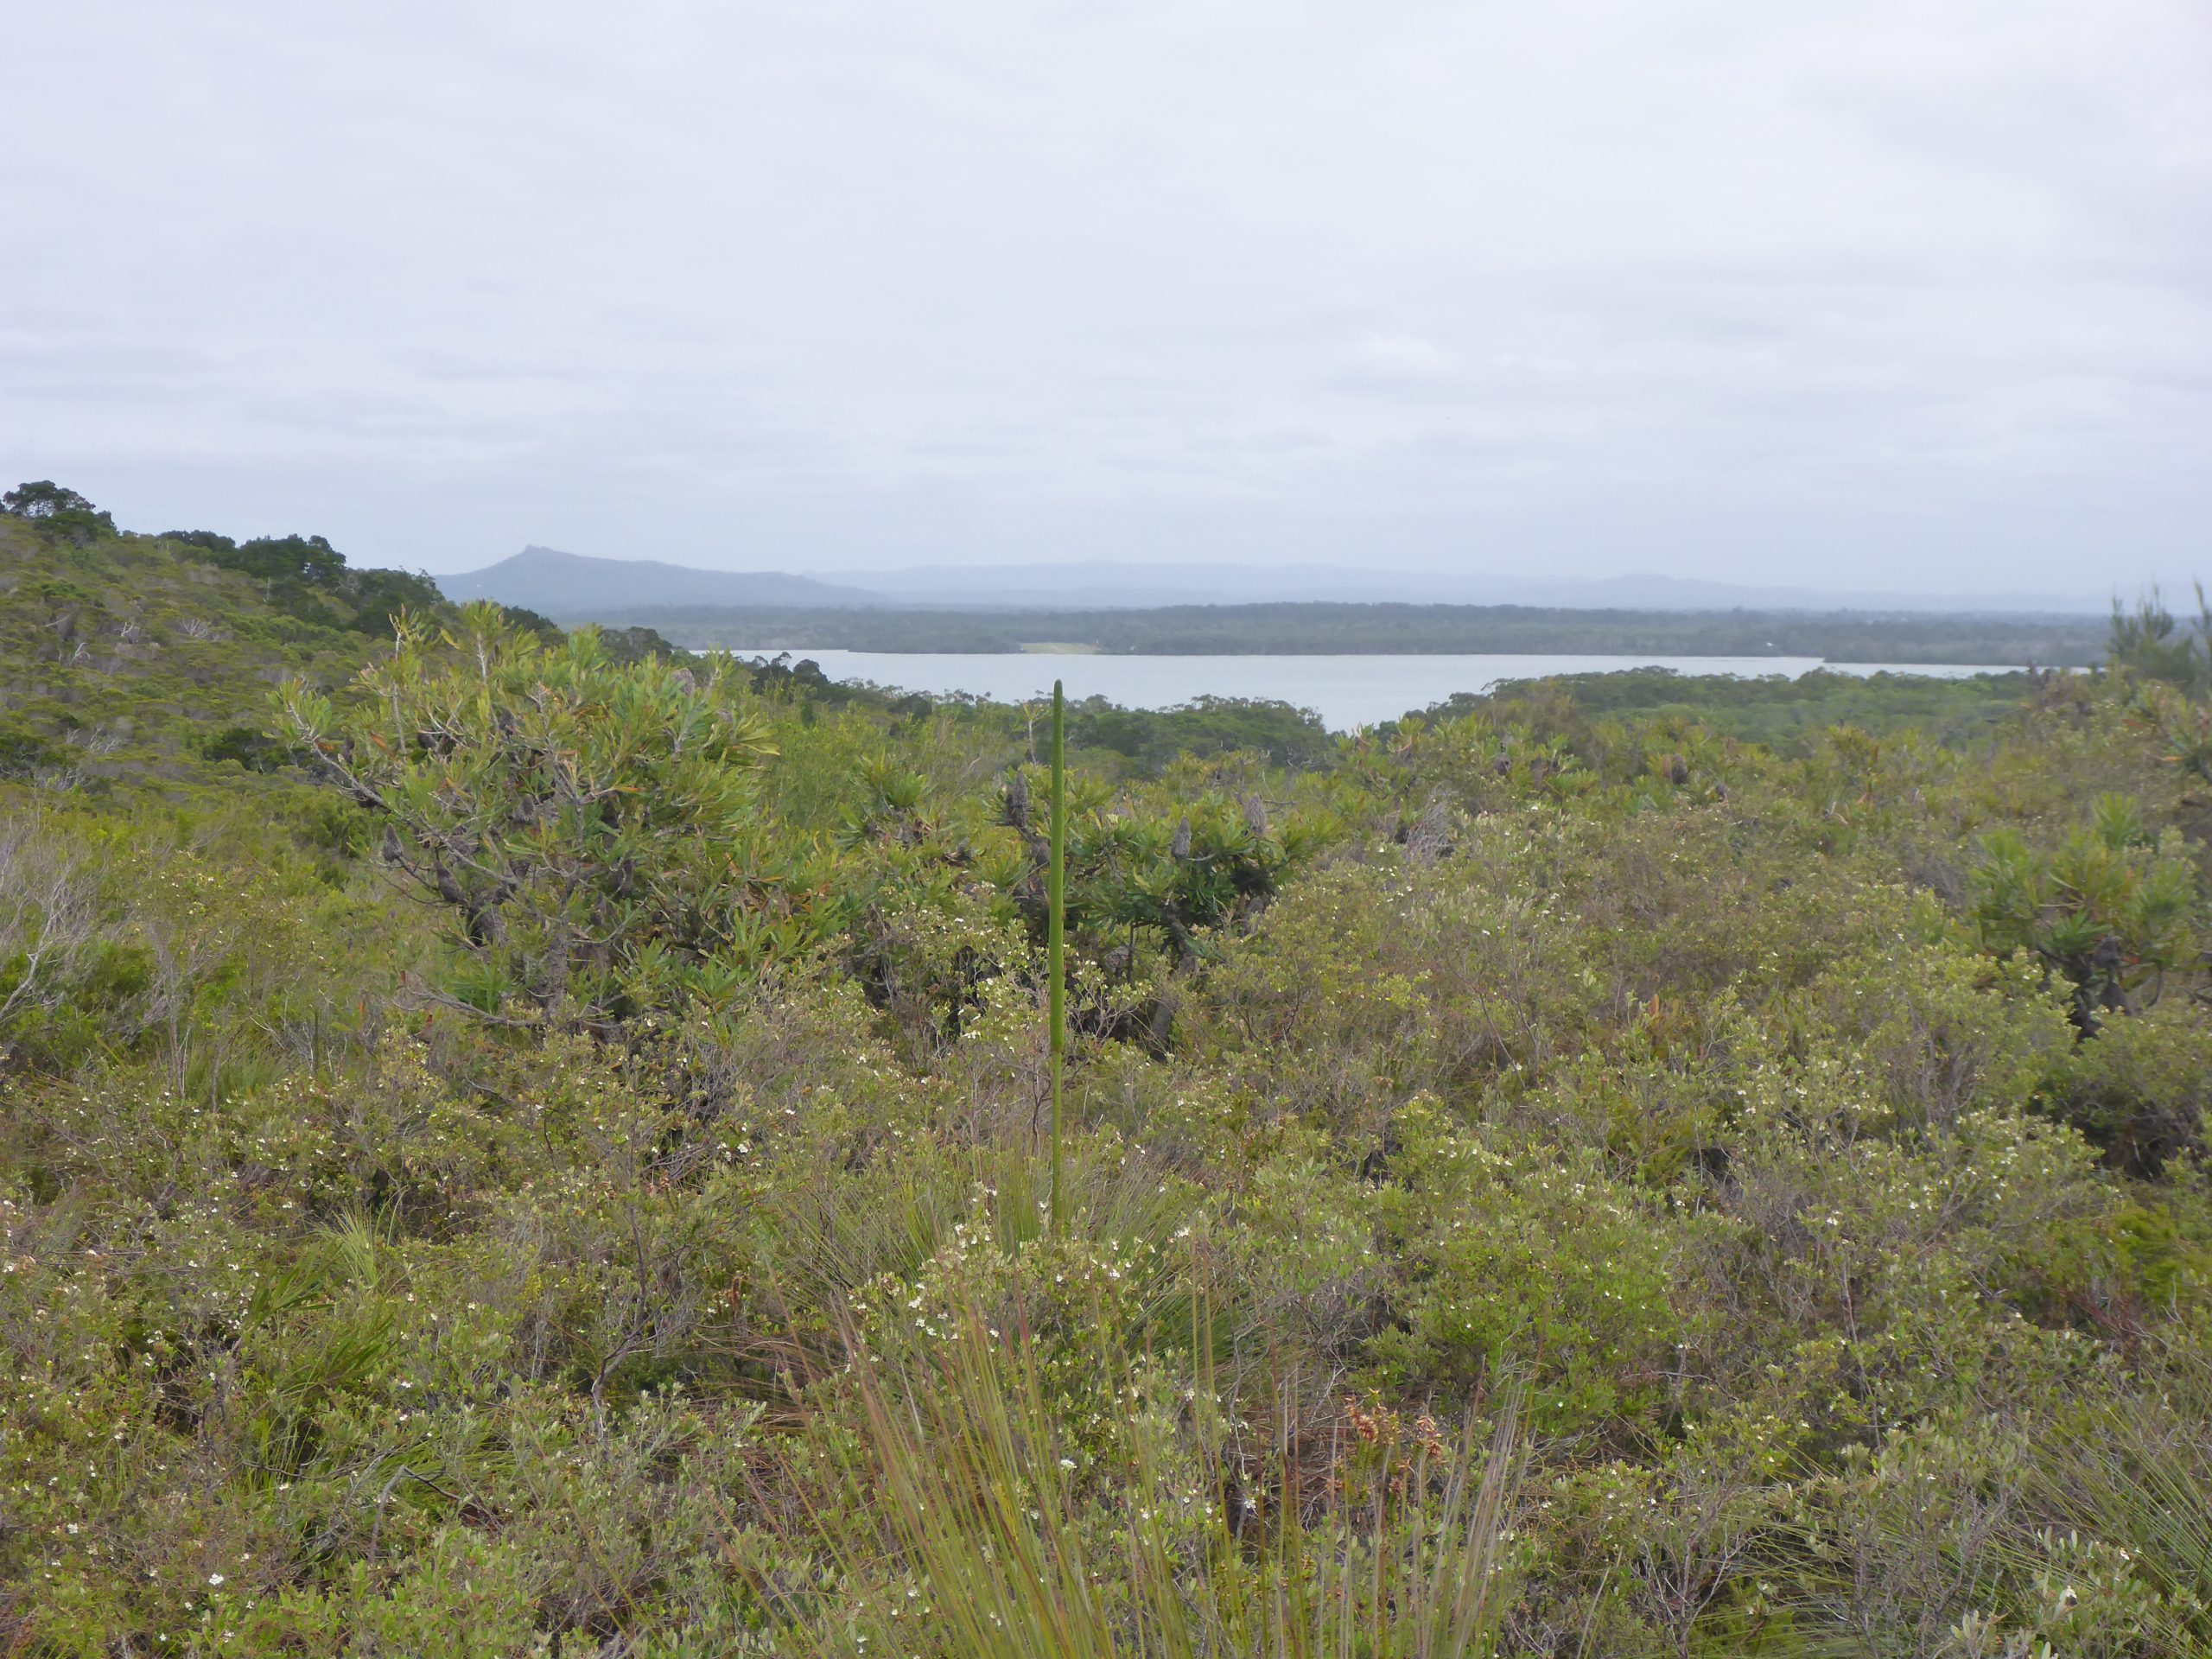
1345 692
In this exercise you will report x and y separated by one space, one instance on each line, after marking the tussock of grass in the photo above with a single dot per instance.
2136 1471
993 1530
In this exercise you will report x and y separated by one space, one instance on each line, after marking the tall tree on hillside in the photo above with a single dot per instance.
42 498
59 513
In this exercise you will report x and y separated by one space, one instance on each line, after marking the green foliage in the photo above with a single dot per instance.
2149 640
2106 908
252 748
25 753
44 500
305 576
2182 728
1209 726
1523 1262
544 627
123 660
2140 1091
1785 715
590 827
634 644
1619 1166
309 560
60 515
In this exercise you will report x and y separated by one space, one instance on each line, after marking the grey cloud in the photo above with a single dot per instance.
1922 294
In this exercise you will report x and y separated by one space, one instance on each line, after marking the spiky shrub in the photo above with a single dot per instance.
2111 909
2150 641
590 826
1131 871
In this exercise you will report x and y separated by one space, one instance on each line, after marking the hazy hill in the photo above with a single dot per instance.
1107 584
573 588
570 586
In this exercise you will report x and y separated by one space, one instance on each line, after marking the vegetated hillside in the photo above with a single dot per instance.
1214 629
138 659
134 657
1546 1177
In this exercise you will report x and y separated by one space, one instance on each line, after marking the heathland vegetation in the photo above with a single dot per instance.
516 1141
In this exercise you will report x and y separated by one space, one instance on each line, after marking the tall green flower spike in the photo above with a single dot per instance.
1056 941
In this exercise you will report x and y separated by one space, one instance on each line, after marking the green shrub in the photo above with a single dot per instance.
2140 1091
578 819
2109 909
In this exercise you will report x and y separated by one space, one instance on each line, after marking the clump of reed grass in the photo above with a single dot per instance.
2135 1471
998 1529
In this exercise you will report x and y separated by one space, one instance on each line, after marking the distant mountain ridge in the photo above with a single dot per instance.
574 587
1114 584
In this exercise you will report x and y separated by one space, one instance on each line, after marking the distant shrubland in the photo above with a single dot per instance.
1185 630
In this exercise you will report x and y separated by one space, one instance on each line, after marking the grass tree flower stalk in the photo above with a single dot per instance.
1056 941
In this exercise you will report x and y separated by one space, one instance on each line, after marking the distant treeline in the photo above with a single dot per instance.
1788 716
1194 630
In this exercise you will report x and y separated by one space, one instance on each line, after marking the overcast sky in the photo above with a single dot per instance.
1911 293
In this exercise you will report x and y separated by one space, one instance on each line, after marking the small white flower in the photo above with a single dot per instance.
215 1578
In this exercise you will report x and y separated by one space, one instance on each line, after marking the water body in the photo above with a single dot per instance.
1345 690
